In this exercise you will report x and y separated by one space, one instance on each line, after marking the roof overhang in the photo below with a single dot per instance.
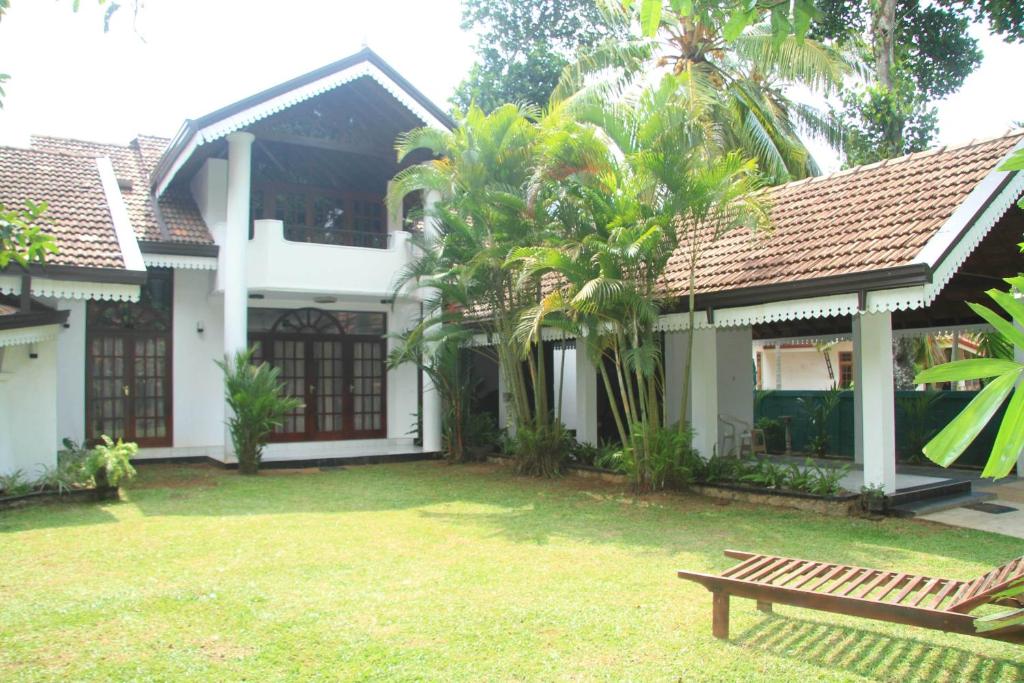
219 124
178 255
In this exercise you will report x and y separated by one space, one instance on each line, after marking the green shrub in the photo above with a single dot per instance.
258 405
766 474
541 451
818 412
824 480
14 483
109 463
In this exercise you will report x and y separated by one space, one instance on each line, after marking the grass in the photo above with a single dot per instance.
429 572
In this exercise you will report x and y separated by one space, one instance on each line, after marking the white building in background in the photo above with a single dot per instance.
263 223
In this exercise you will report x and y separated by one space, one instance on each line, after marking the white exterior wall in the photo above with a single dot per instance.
276 264
736 374
197 381
28 408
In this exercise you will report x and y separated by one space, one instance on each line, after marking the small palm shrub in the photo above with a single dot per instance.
258 405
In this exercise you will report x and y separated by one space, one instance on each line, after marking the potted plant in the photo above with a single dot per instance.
109 464
258 404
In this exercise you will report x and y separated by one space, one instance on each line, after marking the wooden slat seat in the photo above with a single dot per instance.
926 601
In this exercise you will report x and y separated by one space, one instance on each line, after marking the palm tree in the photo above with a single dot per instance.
746 77
481 170
625 182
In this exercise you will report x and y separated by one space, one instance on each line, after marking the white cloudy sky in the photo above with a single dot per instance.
69 78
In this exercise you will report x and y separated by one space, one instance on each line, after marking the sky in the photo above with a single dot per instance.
185 58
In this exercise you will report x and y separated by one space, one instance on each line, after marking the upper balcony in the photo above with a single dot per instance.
284 258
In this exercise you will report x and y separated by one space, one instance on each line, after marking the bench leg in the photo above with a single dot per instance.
765 607
720 615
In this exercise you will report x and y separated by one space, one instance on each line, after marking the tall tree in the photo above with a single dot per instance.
919 51
522 47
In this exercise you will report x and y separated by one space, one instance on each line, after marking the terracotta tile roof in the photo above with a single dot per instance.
134 163
78 215
867 218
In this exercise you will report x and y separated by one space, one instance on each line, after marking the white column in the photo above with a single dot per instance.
858 396
505 420
704 391
702 407
431 399
736 378
586 396
778 365
236 237
873 355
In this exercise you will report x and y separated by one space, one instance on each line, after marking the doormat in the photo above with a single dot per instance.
990 508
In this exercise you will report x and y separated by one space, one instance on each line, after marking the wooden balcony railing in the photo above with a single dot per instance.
340 238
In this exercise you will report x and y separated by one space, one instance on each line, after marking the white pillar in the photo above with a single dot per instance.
735 378
675 369
586 396
505 420
778 365
858 397
873 355
704 391
431 399
236 237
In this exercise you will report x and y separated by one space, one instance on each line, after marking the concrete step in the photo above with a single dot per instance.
931 505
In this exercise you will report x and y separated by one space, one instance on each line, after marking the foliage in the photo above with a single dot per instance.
258 403
522 48
1006 618
542 450
1015 163
1002 375
774 434
882 123
481 432
738 57
920 51
818 411
22 240
109 462
917 410
15 483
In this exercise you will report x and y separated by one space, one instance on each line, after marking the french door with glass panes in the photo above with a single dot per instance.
339 377
128 366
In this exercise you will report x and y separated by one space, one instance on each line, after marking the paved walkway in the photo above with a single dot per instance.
991 516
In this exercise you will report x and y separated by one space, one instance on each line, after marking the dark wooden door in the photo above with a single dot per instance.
128 366
340 378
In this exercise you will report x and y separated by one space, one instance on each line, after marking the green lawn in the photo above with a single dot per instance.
428 572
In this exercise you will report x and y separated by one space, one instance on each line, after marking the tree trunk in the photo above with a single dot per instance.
883 29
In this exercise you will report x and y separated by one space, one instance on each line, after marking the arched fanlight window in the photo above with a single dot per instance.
307 321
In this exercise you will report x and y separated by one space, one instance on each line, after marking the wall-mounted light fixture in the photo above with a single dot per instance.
200 327
32 351
325 300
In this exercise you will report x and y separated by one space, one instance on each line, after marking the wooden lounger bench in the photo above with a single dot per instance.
941 604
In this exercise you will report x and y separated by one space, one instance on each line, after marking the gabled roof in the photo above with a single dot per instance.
217 124
878 226
79 216
178 220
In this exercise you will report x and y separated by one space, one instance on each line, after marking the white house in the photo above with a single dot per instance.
262 223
